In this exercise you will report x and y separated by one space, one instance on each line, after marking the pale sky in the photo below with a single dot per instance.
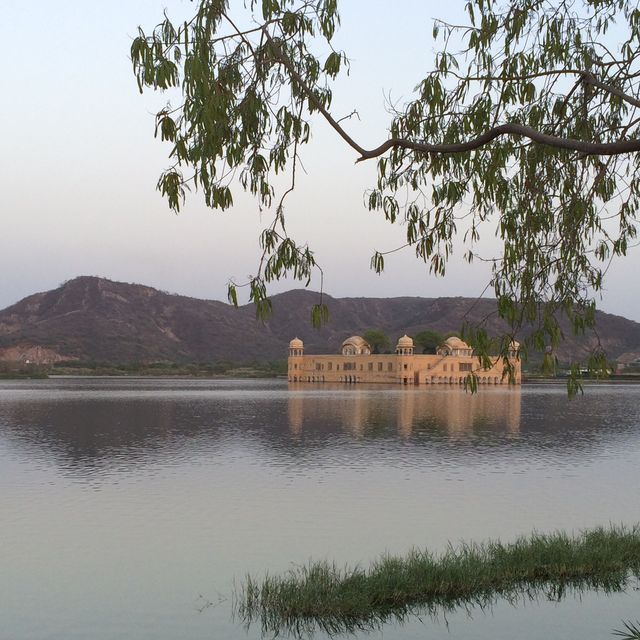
79 163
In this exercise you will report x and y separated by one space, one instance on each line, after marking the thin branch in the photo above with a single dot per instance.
349 116
591 79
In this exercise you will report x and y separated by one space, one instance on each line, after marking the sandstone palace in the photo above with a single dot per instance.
452 364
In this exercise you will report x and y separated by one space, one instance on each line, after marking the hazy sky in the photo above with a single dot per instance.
79 163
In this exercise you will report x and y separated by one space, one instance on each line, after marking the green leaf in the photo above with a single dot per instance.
232 294
319 315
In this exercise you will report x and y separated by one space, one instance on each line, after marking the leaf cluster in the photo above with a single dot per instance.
378 340
561 215
428 340
242 119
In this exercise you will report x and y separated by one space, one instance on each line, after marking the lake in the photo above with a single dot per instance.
130 507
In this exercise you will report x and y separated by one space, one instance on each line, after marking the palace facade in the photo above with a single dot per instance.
452 364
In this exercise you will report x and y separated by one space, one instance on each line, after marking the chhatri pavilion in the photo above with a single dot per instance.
451 364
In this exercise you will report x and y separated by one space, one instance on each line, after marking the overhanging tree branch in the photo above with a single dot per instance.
587 148
557 142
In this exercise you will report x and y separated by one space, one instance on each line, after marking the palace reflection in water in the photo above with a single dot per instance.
453 410
95 426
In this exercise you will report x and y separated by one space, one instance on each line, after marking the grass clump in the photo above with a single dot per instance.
631 631
323 596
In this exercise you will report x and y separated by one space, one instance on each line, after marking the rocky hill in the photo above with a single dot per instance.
96 319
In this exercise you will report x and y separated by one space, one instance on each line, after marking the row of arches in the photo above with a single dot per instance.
345 379
460 380
431 380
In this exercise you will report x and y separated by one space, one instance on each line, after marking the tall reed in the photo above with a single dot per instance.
321 595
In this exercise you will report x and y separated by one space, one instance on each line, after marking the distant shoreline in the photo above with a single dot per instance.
248 373
610 380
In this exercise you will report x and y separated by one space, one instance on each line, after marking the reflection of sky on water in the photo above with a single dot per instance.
123 501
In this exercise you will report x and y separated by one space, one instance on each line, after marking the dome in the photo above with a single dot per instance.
356 341
455 343
405 342
355 346
453 346
296 343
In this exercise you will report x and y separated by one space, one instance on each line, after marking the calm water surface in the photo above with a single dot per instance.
129 507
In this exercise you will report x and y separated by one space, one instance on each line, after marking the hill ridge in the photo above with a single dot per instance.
94 318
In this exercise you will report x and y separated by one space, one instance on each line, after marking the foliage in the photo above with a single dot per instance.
428 340
631 631
378 340
262 369
241 116
526 128
20 370
321 595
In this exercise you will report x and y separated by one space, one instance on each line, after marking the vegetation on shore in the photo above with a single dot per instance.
268 369
322 596
21 371
18 371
